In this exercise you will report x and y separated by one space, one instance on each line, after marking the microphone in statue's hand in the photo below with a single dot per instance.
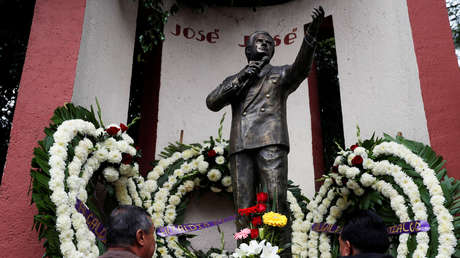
258 65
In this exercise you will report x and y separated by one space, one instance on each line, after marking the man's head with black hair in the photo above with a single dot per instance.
364 232
130 228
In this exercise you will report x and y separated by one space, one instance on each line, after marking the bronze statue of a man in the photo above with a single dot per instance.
259 141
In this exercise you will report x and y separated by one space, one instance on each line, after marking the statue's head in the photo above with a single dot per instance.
260 44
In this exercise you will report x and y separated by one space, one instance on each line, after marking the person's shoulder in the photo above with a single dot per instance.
118 254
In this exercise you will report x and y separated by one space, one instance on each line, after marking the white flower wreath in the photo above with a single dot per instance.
78 150
363 174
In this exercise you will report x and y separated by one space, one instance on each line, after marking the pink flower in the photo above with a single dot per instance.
244 233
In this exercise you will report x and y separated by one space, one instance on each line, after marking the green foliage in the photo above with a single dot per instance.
45 220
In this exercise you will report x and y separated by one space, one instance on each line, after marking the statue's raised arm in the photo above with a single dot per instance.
299 70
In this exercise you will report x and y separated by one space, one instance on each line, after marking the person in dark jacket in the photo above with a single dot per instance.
364 236
130 234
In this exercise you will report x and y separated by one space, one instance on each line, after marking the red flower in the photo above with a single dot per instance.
256 221
123 127
254 233
262 197
212 153
247 211
335 169
113 130
357 160
126 158
260 207
353 147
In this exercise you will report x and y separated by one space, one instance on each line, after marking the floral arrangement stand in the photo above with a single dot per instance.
400 179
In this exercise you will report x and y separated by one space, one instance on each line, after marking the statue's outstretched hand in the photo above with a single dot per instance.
318 18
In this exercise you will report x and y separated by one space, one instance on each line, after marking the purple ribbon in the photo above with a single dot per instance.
409 227
172 230
92 221
328 228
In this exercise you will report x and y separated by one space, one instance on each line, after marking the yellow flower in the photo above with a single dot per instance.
274 219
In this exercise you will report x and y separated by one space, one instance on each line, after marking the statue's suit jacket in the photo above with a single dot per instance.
259 110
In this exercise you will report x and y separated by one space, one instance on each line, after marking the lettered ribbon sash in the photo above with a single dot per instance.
172 230
409 227
92 221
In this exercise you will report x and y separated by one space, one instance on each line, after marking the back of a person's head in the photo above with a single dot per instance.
124 221
366 232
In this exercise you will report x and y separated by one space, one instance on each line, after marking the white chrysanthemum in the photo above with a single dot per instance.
110 143
189 185
158 206
186 167
176 155
361 152
127 138
59 197
367 179
187 154
158 222
101 154
110 174
344 191
56 183
56 162
164 163
153 175
83 245
82 195
352 185
227 181
63 223
342 169
203 167
162 250
67 248
93 163
214 175
174 200
338 161
178 173
122 146
229 189
219 149
57 150
150 186
220 160
181 189
358 191
172 180
114 156
352 172
147 204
